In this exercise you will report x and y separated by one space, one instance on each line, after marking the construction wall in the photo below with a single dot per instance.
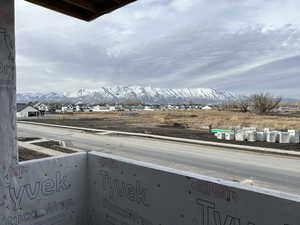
46 192
41 192
7 86
101 189
8 153
124 191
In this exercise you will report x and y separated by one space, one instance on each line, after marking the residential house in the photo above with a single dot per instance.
25 111
67 108
43 108
149 108
100 108
207 107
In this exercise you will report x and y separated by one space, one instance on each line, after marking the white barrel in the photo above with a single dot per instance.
284 138
220 135
251 136
261 136
229 136
240 136
272 136
295 136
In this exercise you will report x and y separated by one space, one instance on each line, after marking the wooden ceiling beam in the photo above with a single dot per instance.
111 7
83 4
64 8
82 9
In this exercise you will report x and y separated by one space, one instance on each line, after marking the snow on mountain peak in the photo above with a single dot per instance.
119 94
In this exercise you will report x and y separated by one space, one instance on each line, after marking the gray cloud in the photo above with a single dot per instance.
240 46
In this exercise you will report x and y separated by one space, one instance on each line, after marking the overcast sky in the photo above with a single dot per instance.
235 45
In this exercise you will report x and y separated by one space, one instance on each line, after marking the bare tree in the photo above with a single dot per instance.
229 106
243 103
240 103
264 103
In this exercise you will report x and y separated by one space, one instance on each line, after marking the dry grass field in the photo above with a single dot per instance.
192 119
184 124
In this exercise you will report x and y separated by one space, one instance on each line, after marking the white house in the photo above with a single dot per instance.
41 106
112 108
207 107
148 108
98 108
172 107
67 108
25 111
77 108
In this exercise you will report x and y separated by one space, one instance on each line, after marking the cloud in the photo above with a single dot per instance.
173 43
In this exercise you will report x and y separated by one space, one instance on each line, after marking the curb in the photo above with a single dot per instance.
182 140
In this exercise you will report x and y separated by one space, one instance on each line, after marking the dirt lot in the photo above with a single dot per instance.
54 145
185 124
192 118
26 154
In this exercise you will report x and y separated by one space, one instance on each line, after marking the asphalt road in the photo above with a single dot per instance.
270 171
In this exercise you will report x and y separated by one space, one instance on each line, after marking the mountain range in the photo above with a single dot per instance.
119 94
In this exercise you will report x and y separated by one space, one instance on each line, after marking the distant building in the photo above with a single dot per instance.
100 108
288 108
25 111
207 107
43 108
172 107
67 108
139 107
149 108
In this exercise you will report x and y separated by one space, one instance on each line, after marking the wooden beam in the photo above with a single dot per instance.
82 9
83 4
65 8
107 8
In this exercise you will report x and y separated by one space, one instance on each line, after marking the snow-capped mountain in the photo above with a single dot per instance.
119 94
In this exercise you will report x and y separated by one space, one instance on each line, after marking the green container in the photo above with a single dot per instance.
221 130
